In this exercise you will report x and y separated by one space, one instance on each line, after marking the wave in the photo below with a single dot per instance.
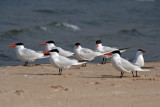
59 24
5 57
131 32
44 11
41 27
12 32
146 0
70 26
126 31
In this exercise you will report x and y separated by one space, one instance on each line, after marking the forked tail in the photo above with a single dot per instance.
123 49
144 70
80 63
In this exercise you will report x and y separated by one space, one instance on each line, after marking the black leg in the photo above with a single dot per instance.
136 74
26 63
121 74
103 61
60 71
84 64
132 74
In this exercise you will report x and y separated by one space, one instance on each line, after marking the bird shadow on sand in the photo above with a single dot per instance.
40 74
147 67
105 76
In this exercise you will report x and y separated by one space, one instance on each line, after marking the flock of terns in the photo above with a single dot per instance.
58 57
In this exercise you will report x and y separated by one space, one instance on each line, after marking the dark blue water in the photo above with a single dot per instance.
118 23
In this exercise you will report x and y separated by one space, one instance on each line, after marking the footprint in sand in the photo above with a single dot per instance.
92 83
19 92
58 88
116 85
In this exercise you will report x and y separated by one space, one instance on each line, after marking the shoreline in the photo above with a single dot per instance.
95 85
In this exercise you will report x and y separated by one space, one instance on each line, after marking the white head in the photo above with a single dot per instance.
140 52
139 58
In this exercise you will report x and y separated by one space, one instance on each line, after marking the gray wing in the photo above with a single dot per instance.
87 54
64 52
109 49
31 54
130 67
66 62
125 64
131 60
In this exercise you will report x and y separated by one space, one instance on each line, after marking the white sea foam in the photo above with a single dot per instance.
43 28
70 26
74 27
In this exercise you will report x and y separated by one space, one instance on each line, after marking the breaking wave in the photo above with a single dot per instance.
42 27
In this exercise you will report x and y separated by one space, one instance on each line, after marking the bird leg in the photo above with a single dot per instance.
103 61
132 73
121 74
84 64
60 71
26 63
136 74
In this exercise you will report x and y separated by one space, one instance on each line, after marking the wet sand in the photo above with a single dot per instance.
95 85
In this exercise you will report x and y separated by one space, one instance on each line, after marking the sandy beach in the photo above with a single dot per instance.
95 85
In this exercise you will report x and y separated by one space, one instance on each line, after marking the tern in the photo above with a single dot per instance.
61 62
123 65
51 45
106 49
27 55
85 54
138 59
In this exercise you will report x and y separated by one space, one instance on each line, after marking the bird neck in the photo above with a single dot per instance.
139 55
78 48
49 46
140 59
117 56
100 46
54 54
20 47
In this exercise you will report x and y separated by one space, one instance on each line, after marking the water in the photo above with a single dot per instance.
118 23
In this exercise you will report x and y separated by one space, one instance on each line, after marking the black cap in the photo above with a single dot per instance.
139 50
98 41
116 51
18 44
77 44
50 42
54 50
